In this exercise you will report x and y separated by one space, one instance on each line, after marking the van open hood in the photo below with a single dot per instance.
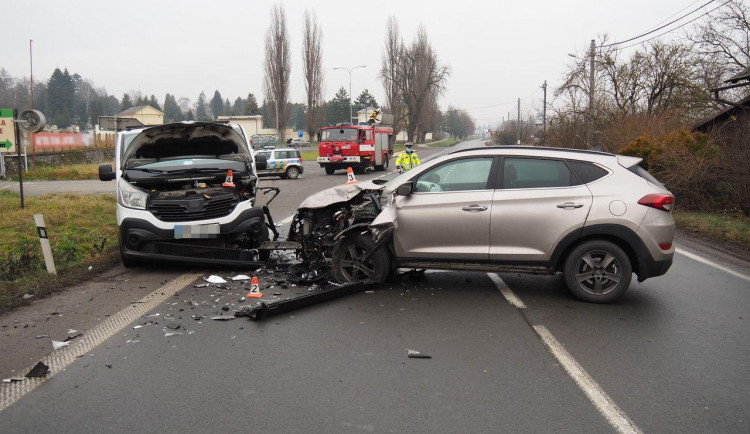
193 139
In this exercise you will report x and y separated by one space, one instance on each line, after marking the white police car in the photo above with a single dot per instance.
283 162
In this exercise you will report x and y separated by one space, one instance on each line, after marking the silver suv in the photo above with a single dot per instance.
594 216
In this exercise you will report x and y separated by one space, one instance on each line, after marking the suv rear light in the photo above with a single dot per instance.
665 246
663 202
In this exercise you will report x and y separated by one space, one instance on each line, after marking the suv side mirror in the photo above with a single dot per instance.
405 189
106 173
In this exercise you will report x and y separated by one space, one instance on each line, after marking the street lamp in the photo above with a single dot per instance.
592 53
349 70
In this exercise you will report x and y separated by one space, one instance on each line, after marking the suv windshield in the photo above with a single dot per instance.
334 134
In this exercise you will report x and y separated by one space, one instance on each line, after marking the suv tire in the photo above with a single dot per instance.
348 266
598 271
292 172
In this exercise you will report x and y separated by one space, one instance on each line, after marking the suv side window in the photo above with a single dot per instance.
281 155
536 173
295 154
459 175
587 172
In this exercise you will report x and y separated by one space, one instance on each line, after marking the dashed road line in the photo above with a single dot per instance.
506 291
712 264
62 358
590 388
595 394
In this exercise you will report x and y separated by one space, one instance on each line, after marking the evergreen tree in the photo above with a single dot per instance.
60 98
154 103
172 112
296 116
365 99
238 107
251 105
337 109
189 116
126 103
201 108
217 105
227 110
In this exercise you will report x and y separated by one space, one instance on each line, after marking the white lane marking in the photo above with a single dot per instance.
606 406
506 291
712 264
62 358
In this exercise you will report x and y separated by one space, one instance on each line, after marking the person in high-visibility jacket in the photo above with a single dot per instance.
407 159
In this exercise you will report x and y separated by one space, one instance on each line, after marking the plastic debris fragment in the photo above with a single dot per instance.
214 279
56 345
39 370
241 277
413 354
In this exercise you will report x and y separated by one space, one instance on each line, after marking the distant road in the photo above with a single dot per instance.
40 188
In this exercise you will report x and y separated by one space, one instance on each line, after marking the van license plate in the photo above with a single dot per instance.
196 231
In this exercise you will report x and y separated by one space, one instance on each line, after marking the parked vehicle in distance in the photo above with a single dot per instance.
176 200
299 143
283 162
594 216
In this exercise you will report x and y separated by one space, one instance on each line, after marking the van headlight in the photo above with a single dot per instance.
130 196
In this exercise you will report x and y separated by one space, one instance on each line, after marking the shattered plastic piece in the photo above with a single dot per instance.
223 317
12 379
241 277
200 285
153 315
137 327
170 334
109 365
39 370
71 337
57 344
174 326
42 336
90 268
27 296
413 354
214 279
72 331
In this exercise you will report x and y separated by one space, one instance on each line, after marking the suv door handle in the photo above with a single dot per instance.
474 208
567 205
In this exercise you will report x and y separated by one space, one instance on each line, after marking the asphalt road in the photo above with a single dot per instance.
672 356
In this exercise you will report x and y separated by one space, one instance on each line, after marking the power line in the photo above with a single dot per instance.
676 28
672 16
660 27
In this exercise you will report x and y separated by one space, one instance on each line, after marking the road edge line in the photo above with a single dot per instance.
506 291
60 359
702 260
595 394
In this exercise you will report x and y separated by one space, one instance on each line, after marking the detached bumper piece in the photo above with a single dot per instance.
264 310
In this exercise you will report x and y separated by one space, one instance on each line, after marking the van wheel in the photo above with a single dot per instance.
350 265
292 173
598 271
330 170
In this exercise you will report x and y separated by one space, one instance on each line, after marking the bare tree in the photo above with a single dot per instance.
420 77
312 66
394 101
277 67
724 38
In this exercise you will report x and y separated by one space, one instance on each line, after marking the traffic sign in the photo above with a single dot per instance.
299 134
7 130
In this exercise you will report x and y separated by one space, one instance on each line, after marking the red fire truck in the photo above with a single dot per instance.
361 147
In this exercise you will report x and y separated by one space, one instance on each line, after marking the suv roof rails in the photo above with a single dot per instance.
582 151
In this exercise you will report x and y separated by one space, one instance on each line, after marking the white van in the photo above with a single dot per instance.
176 199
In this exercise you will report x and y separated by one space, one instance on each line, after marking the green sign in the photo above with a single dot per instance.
7 130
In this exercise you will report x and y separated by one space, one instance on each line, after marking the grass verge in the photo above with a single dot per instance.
82 231
68 172
722 228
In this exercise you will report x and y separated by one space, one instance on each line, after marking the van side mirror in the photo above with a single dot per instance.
405 189
106 173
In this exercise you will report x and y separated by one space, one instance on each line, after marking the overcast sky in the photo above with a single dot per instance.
497 51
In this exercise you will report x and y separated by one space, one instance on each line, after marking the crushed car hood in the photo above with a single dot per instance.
338 194
187 139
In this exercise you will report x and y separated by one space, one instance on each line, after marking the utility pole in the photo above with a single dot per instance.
590 135
544 115
31 135
518 124
349 70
